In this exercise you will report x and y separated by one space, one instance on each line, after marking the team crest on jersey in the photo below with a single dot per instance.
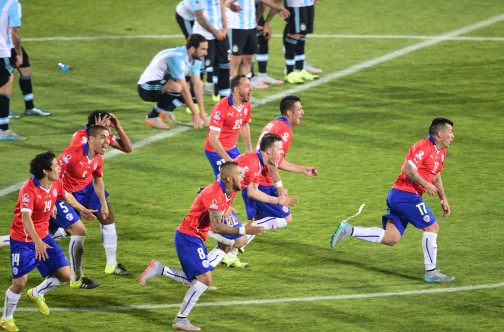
214 204
245 111
95 166
69 217
83 139
442 158
426 218
419 155
217 116
205 263
55 193
285 137
244 169
26 198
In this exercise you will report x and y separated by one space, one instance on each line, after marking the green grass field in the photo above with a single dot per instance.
385 78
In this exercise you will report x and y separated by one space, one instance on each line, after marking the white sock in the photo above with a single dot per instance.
5 241
191 297
50 283
215 256
59 234
370 234
109 239
10 304
177 275
76 251
270 223
429 246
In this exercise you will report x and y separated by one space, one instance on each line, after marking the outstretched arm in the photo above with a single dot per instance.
442 196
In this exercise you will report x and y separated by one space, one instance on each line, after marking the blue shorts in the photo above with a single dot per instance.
266 209
67 216
235 222
192 254
404 207
216 160
23 258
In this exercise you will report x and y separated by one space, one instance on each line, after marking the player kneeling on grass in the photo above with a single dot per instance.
420 173
31 245
205 214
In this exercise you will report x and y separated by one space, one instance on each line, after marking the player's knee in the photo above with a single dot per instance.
391 239
63 274
288 219
241 241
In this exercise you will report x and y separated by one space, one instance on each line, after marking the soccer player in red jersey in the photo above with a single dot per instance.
81 173
230 117
206 213
121 143
420 173
31 245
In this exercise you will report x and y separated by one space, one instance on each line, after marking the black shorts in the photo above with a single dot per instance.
26 59
5 70
301 20
218 52
243 41
185 25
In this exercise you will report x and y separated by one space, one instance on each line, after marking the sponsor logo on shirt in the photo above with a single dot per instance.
217 116
214 204
66 159
26 198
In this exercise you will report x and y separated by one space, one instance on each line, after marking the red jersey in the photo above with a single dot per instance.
428 160
81 136
228 119
251 164
212 198
281 127
77 169
39 201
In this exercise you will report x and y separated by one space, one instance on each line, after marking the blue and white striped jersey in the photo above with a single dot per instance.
10 17
299 3
173 62
246 18
186 8
212 11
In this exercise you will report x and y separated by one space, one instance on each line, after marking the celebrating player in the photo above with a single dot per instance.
420 173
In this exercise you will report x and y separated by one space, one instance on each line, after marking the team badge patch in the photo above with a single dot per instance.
205 263
69 217
426 218
214 204
55 193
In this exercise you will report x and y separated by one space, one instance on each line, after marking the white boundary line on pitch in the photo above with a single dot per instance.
328 36
284 300
322 80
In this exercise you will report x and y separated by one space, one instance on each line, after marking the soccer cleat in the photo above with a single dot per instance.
294 77
216 98
184 324
13 115
36 111
156 123
84 283
258 83
117 269
39 302
188 111
234 261
341 233
269 80
9 324
154 269
436 276
9 135
169 116
309 68
306 76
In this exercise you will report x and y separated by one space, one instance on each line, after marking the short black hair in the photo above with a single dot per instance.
287 104
195 40
94 130
438 124
91 121
226 167
235 81
268 140
40 163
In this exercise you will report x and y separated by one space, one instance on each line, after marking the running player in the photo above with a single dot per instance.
31 245
206 213
420 173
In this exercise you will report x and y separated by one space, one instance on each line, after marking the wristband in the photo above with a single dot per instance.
241 230
278 184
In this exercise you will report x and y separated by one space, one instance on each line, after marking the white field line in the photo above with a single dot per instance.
328 36
283 300
322 80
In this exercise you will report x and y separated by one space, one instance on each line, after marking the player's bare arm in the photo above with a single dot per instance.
203 21
40 246
84 212
16 41
442 196
310 171
186 93
99 188
123 142
412 174
198 92
213 138
219 227
245 134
